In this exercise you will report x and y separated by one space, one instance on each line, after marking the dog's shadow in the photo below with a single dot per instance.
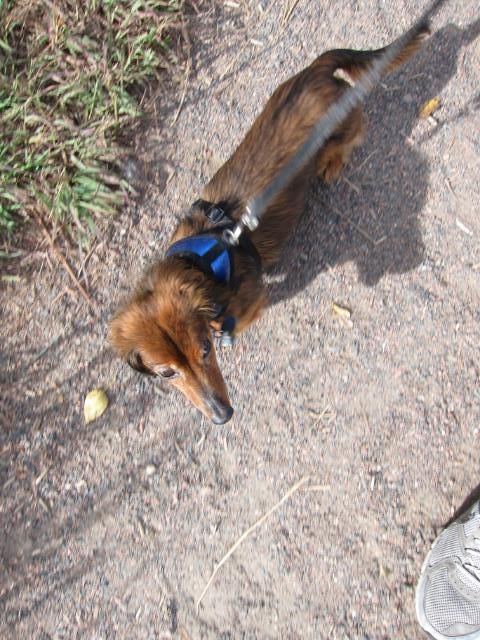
372 215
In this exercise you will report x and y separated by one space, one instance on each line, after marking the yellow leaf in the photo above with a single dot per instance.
342 312
429 107
95 404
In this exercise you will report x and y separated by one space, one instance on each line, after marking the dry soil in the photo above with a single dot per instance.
111 530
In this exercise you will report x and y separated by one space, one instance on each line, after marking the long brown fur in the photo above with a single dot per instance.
167 324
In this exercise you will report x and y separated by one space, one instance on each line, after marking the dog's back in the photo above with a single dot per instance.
285 123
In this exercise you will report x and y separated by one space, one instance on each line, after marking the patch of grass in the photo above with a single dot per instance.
72 77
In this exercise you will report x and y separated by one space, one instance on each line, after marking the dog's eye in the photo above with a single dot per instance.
206 347
167 373
134 359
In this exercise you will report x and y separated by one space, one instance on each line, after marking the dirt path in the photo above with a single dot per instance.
112 530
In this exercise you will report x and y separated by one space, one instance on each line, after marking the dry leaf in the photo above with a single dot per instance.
342 312
429 107
95 404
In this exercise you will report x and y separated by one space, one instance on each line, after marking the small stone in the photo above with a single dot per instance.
150 470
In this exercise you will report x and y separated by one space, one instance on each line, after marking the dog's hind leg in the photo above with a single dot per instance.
336 152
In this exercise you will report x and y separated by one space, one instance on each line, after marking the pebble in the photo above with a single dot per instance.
150 469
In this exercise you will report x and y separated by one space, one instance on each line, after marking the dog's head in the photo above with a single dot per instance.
164 331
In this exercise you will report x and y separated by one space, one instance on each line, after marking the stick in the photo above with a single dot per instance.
361 231
43 351
245 535
184 92
318 487
287 12
65 264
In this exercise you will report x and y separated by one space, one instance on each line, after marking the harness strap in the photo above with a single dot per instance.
219 214
216 213
211 253
208 253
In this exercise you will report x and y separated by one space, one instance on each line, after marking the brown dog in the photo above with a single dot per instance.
165 329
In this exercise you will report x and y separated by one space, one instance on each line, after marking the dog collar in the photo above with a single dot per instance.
208 252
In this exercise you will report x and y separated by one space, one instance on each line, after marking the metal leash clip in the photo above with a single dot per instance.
249 219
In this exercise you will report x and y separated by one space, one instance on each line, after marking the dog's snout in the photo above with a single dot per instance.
221 412
222 416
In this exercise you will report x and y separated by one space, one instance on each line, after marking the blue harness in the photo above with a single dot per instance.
208 252
211 254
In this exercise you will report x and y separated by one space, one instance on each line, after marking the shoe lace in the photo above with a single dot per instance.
472 552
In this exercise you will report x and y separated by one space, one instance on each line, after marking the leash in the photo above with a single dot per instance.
212 252
324 128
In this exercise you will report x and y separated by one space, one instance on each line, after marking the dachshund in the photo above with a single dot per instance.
202 286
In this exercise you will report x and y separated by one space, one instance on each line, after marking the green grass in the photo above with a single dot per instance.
72 75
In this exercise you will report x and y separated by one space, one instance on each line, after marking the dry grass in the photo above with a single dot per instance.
72 78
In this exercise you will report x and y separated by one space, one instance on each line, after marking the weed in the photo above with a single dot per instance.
72 77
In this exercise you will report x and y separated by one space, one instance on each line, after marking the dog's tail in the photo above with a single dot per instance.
354 63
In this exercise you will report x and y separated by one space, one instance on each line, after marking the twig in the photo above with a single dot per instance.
83 264
9 255
43 351
184 92
450 188
287 12
362 164
463 227
41 476
318 487
361 231
59 295
45 504
245 535
65 264
326 415
351 185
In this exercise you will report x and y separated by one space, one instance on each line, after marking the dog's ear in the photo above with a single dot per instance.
196 293
134 359
124 327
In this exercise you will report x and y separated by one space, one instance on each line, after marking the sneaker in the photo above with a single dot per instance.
448 592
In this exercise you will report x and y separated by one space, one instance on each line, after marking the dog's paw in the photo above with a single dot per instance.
330 171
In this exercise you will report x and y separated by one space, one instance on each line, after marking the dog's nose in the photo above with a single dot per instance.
221 412
222 416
